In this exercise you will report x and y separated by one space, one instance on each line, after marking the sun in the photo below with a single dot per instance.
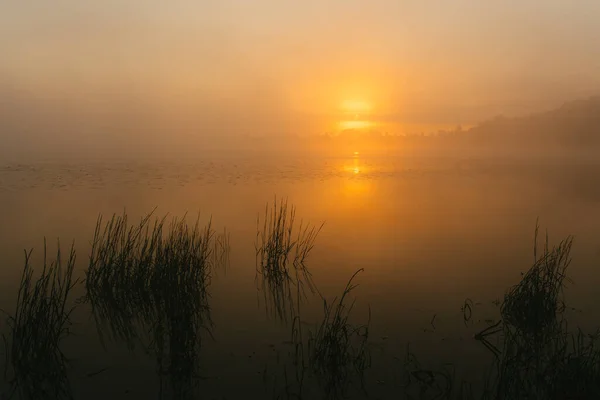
355 124
355 115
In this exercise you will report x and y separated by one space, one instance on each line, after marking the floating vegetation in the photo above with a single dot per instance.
281 253
423 383
467 310
40 322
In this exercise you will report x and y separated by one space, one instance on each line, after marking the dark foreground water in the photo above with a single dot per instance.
428 233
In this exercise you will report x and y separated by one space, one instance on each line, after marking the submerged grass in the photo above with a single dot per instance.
40 322
281 254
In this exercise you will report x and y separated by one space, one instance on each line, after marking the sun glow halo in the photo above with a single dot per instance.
355 107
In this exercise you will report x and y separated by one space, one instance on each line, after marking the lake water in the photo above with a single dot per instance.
428 232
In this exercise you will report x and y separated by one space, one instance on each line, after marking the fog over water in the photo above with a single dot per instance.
139 78
427 137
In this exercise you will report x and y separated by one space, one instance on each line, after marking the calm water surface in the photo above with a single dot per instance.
428 233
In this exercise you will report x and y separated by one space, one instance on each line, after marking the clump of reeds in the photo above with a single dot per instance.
181 299
40 322
537 359
182 269
338 352
281 253
135 268
540 358
149 280
533 327
532 306
537 356
118 276
577 374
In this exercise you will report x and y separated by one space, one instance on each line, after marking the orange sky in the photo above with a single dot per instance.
280 67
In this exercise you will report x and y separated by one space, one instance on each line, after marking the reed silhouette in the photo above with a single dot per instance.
40 322
538 356
149 286
281 255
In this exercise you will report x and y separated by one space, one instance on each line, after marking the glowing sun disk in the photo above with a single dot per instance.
355 124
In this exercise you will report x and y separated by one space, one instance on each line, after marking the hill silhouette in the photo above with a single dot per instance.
575 124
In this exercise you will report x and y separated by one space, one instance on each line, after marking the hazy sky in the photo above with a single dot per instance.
278 66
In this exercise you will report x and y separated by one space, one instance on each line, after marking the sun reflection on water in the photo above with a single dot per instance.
356 167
